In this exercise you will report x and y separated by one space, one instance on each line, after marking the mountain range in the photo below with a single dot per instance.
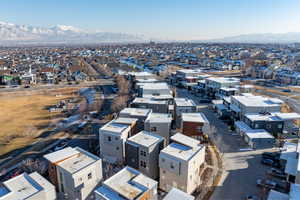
24 34
292 37
13 34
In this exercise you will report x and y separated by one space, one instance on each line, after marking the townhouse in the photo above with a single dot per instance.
142 151
74 171
180 163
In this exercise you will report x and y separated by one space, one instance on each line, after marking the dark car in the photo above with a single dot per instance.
286 90
251 197
267 162
204 101
266 183
277 173
275 156
270 162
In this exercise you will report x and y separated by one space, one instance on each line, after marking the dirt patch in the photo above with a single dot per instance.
23 118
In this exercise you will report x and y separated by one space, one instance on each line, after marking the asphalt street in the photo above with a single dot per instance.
241 165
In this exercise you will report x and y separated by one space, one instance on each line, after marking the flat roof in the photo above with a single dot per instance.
258 133
294 191
291 166
194 117
114 127
276 116
23 186
148 100
146 80
223 79
257 101
275 195
72 159
185 140
159 118
184 102
228 89
145 138
129 183
125 120
155 86
180 151
135 112
176 194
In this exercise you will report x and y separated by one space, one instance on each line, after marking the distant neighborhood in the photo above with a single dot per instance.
160 121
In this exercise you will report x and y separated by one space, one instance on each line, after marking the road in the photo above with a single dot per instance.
54 86
241 167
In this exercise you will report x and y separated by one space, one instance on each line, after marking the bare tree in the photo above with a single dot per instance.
30 165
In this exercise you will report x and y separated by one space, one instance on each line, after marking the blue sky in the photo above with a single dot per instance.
172 19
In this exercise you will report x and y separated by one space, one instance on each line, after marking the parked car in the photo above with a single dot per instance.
286 90
266 183
277 173
270 162
204 101
275 156
251 197
61 145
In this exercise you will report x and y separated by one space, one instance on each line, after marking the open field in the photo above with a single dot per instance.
24 117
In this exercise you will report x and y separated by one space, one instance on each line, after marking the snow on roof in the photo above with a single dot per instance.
145 138
128 183
184 102
159 118
194 117
24 186
71 159
257 101
176 194
275 195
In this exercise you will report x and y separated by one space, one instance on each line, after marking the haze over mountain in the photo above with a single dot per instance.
24 34
260 38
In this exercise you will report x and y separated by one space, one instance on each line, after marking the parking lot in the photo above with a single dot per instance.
242 165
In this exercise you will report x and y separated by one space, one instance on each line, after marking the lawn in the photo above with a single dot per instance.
23 118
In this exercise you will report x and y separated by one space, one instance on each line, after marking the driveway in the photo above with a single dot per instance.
241 165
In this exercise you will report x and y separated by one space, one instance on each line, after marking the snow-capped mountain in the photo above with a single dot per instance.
24 34
262 38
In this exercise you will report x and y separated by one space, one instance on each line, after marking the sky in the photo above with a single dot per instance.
163 19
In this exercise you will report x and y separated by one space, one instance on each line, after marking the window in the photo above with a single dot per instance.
116 138
143 153
117 148
143 164
109 138
279 125
172 166
153 129
163 160
89 175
